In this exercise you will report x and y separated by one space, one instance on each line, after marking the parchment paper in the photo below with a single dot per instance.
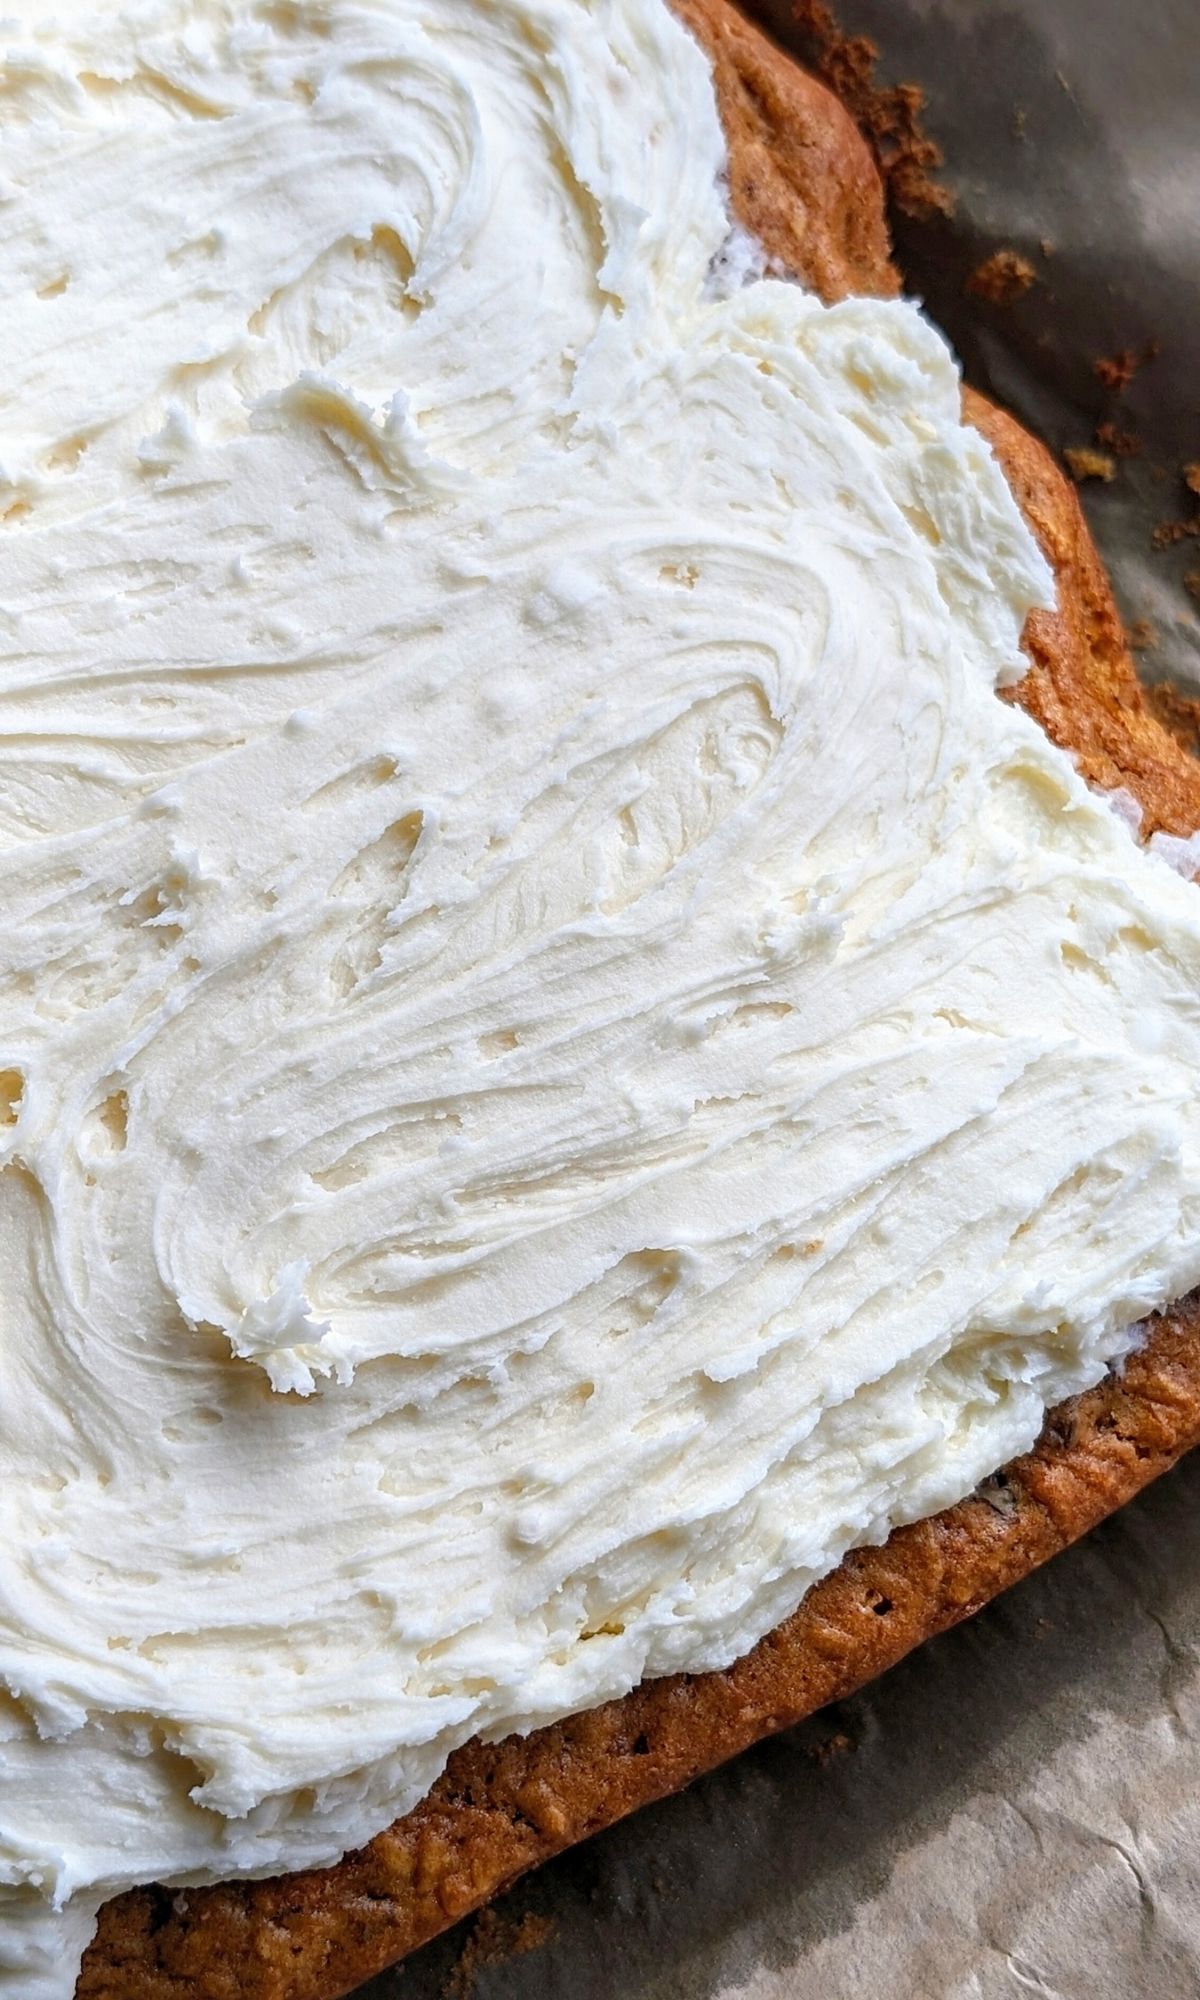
1015 1809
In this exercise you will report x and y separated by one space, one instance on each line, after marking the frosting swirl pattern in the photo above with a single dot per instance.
565 1060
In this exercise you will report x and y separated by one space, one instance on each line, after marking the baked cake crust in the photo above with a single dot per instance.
803 181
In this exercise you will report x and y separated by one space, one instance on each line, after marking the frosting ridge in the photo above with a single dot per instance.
564 1059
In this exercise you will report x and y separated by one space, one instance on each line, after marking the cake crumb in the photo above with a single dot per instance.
1142 636
1122 444
1084 463
494 1939
1191 476
1168 533
837 1745
891 117
1116 371
1046 246
1002 277
1191 584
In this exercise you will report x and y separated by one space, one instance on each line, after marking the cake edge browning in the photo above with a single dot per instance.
803 182
501 1809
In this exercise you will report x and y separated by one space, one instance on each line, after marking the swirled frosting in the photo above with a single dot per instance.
564 1058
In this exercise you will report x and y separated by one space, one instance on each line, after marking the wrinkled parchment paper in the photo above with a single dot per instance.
1015 1810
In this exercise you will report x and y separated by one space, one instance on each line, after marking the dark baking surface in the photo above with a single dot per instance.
1036 1739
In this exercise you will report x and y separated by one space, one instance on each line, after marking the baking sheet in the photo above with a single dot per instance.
1016 1808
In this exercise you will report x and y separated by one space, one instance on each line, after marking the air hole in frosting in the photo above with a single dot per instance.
107 1128
12 1094
66 455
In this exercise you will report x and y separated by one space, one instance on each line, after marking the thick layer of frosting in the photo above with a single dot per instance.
565 1059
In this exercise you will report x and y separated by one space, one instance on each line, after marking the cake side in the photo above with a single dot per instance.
501 1809
1082 686
802 181
803 184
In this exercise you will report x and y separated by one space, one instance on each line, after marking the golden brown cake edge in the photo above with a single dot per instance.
802 180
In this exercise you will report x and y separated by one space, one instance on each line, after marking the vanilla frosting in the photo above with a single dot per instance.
563 1059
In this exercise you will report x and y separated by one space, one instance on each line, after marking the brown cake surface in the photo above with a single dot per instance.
803 181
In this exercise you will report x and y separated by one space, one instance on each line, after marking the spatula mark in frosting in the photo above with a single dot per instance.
556 1090
372 885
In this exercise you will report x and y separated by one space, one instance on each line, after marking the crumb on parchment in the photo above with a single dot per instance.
1116 371
1002 277
1083 462
493 1939
1168 533
1122 444
833 1747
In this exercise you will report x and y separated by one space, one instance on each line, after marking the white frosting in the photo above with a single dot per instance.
524 923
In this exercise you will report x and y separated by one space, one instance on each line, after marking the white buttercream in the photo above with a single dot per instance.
525 925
